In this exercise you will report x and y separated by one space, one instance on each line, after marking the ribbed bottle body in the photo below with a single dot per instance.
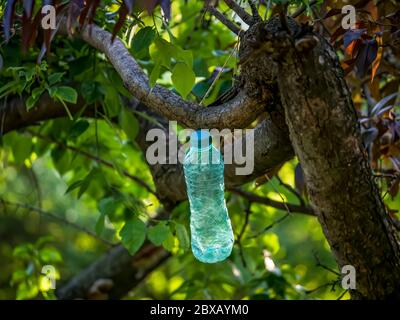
210 226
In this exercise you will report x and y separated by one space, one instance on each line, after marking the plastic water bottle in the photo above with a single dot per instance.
210 226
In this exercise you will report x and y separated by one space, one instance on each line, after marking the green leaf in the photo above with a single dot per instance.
74 186
129 124
185 56
271 242
84 184
133 235
64 93
22 149
107 206
18 276
183 237
35 95
155 74
143 39
112 102
78 128
55 78
162 52
183 79
27 290
158 233
169 242
99 228
23 251
50 255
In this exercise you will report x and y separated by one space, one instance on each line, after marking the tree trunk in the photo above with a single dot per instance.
325 134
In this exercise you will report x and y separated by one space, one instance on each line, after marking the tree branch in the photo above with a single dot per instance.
56 217
122 270
223 19
95 158
236 113
247 18
293 208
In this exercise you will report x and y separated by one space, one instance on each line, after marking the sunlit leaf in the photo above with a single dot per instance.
133 234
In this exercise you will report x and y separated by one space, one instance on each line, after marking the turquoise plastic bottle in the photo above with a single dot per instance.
210 226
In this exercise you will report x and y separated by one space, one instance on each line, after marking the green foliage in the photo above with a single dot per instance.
183 78
129 124
79 169
165 55
29 278
158 233
133 234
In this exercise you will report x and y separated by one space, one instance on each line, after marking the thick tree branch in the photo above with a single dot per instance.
121 270
14 114
236 113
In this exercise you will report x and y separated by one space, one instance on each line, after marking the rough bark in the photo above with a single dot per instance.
325 134
113 274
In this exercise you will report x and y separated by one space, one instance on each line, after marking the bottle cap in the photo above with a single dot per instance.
200 139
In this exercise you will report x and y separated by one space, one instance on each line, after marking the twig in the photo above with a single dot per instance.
319 264
254 10
280 195
240 235
273 224
341 296
247 18
292 190
303 8
321 21
224 20
95 158
56 217
330 283
246 222
219 73
291 208
35 182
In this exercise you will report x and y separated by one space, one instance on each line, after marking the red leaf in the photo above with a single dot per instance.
122 13
88 12
366 55
74 10
377 61
353 48
28 7
348 65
